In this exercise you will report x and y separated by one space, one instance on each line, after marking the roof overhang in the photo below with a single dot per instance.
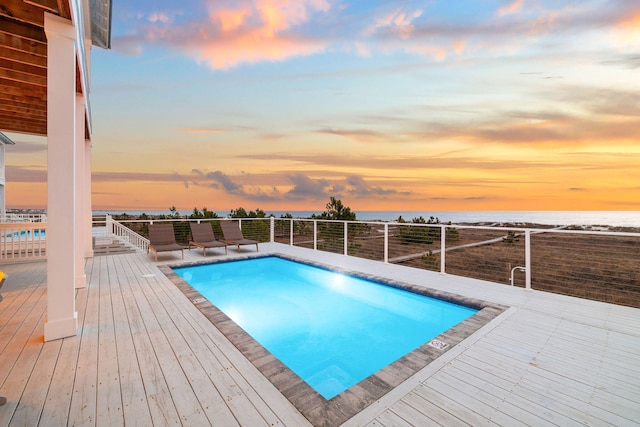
23 57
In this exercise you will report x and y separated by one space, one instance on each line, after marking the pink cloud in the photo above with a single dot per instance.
247 31
399 22
511 8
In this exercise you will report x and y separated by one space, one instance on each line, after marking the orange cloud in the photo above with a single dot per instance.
256 32
511 8
630 28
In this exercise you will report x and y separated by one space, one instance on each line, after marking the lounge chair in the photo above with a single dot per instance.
3 278
233 235
163 239
202 236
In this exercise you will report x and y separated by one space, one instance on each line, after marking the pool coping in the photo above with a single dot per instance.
333 412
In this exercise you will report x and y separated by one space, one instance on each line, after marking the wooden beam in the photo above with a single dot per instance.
23 113
19 76
22 67
64 8
23 12
29 88
23 45
23 89
11 124
35 106
26 31
47 5
22 57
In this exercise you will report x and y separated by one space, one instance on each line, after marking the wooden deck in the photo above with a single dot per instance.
145 355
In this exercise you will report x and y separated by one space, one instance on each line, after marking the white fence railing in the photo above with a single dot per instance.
11 218
23 241
125 234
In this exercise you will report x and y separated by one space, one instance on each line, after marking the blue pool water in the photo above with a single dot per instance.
28 233
333 330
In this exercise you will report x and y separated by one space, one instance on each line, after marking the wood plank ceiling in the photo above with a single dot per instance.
23 63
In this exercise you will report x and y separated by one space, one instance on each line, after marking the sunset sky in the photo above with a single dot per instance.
386 105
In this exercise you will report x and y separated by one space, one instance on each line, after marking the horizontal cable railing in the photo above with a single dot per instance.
598 265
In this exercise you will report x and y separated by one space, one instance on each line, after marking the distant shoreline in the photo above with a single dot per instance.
594 219
628 221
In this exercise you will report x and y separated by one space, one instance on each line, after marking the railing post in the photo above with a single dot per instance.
272 229
443 246
527 258
346 243
315 235
291 233
108 224
386 243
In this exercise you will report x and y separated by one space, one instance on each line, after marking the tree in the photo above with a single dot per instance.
258 230
174 212
242 213
336 210
418 234
204 214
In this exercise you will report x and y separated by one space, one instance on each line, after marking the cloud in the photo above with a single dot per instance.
25 174
397 22
23 147
218 177
511 8
630 62
230 33
577 189
305 187
359 188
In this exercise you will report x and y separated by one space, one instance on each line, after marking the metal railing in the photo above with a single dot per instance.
598 265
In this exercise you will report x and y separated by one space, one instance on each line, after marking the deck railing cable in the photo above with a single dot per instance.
596 264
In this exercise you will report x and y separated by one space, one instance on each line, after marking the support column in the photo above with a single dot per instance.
3 206
62 319
79 217
88 209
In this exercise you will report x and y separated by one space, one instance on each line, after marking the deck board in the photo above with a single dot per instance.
144 355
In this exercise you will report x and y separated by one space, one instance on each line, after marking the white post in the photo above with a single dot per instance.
346 252
386 243
291 233
62 319
88 209
443 246
315 235
79 218
272 229
527 259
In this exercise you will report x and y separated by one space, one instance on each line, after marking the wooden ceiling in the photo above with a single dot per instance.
23 63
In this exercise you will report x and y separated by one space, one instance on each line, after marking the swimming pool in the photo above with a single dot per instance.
306 399
331 329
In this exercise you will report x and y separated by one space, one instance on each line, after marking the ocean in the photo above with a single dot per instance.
604 218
